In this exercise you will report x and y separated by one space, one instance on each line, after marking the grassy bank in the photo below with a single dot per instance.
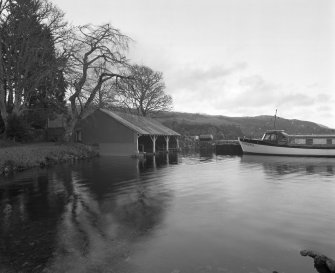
22 157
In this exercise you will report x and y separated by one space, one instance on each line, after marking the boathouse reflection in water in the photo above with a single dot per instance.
75 213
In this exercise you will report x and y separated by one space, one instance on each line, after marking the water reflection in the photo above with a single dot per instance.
282 165
30 211
80 218
128 215
206 155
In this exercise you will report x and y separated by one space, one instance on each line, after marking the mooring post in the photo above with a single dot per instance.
167 143
136 141
177 141
153 138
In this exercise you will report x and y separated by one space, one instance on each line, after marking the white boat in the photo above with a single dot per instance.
277 142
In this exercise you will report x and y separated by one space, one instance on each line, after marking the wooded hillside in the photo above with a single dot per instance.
223 127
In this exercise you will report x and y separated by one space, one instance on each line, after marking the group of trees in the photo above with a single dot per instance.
48 67
31 76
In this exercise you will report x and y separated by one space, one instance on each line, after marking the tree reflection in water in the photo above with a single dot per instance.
81 218
29 210
110 208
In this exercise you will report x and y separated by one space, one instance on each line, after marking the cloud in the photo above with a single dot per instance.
231 91
324 109
257 90
199 77
213 73
195 88
296 100
323 97
260 92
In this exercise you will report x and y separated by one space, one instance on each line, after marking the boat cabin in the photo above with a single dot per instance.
279 137
276 137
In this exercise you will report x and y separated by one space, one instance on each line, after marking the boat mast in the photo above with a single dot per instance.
274 122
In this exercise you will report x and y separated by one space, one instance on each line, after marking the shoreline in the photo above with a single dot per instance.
23 157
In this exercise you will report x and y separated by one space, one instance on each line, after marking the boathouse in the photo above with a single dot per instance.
117 133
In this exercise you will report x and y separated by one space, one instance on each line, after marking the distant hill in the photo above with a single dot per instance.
222 127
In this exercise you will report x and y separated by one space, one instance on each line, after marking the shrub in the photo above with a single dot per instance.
17 128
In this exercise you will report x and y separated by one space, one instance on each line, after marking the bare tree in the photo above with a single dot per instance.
144 91
106 95
97 56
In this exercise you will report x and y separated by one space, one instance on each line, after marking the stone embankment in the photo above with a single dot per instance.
22 157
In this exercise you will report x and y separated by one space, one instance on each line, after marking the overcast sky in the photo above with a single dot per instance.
230 57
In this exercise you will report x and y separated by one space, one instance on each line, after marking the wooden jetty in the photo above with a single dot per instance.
228 147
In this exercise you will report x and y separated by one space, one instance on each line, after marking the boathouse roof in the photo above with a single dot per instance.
141 125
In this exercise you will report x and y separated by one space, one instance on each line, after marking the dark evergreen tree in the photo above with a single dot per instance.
33 78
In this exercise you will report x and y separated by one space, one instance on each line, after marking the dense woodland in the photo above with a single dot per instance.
49 67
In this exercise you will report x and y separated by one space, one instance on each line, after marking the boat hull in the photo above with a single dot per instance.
257 147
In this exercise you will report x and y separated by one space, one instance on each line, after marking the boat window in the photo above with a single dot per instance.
283 139
273 137
329 141
284 134
309 141
299 141
319 141
266 137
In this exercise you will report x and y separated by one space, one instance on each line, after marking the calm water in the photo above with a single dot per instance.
169 215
